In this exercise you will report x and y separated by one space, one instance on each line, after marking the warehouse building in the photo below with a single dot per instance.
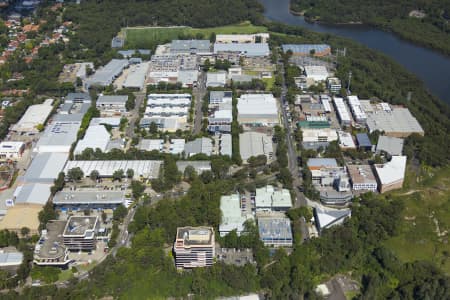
106 75
200 166
169 100
390 176
232 216
245 49
316 73
96 137
315 138
270 199
58 137
78 98
346 140
390 145
398 122
258 110
325 100
32 193
169 124
363 141
45 167
80 233
151 145
35 115
188 78
329 218
200 145
142 168
50 249
136 76
218 97
220 121
11 150
342 112
318 50
112 104
88 199
199 47
177 146
275 231
114 122
216 78
355 106
242 38
362 178
254 144
225 144
194 247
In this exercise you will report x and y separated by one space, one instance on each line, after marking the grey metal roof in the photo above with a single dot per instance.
305 48
45 167
391 145
275 230
106 75
88 197
112 99
199 145
78 97
35 193
363 140
190 46
248 49
322 162
10 258
61 133
219 95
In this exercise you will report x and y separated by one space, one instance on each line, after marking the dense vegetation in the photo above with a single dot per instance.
432 30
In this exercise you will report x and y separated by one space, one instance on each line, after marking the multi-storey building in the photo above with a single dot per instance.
194 247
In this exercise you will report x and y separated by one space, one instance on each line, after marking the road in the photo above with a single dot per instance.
134 115
292 157
199 92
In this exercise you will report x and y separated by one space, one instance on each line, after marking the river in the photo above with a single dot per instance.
431 67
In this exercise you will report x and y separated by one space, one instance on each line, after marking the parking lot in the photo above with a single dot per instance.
238 257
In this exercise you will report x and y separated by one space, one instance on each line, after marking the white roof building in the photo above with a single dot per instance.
11 150
257 109
242 38
106 168
33 193
232 217
58 137
269 199
390 145
216 79
322 135
346 140
398 122
151 144
34 115
391 175
246 49
356 108
317 73
136 76
95 137
254 144
342 112
10 258
328 218
45 167
177 146
197 146
225 144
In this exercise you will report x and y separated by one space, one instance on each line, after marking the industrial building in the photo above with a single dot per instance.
225 144
346 140
398 122
328 218
270 199
258 109
318 50
177 146
11 150
20 216
45 167
136 76
106 75
355 106
275 231
342 112
315 138
254 144
325 100
58 137
96 137
35 115
112 104
242 38
363 141
200 166
88 199
316 73
334 84
10 259
319 163
142 168
199 47
218 97
32 193
244 49
390 176
362 178
80 233
390 145
169 100
194 247
78 98
216 78
200 145
114 122
220 121
188 78
50 249
151 144
169 124
232 216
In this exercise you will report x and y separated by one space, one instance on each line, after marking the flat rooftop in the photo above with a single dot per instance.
399 120
88 197
50 244
79 226
274 228
361 174
196 236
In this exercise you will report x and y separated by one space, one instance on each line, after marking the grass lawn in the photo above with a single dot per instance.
149 37
65 275
269 82
425 223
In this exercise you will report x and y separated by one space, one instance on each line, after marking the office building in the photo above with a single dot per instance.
220 121
232 216
335 198
50 249
390 176
218 97
270 199
194 247
275 231
363 141
362 178
80 233
80 199
258 110
255 144
11 150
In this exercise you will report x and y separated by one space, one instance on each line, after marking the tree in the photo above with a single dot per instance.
153 128
130 104
24 231
118 175
189 173
94 175
104 217
119 213
130 173
46 214
75 174
137 189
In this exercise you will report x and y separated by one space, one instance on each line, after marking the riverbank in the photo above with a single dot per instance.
411 29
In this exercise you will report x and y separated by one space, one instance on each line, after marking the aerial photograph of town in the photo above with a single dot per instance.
224 149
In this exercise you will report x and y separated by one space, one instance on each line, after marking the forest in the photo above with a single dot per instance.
431 30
